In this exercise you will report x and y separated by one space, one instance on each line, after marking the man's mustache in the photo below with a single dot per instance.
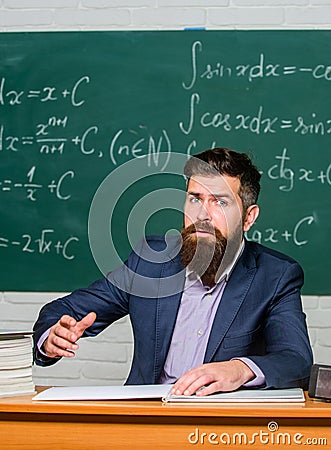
200 226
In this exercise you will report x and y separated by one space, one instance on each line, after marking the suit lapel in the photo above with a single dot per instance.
232 299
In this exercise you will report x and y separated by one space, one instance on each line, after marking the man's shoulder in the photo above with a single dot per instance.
261 252
156 257
158 249
161 243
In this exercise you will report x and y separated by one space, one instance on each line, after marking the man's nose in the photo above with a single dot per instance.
203 213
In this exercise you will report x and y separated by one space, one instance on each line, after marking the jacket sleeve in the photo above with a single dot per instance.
107 297
288 358
100 297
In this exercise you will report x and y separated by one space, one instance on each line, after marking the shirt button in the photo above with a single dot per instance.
200 332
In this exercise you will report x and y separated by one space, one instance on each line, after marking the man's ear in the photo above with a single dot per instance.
251 216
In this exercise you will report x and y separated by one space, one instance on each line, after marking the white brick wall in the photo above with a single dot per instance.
106 359
17 15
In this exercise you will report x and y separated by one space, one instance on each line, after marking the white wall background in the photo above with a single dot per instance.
106 359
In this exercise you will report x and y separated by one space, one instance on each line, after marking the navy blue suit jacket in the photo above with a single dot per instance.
260 314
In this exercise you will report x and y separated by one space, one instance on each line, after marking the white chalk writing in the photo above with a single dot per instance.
286 175
14 97
58 187
297 235
44 244
261 67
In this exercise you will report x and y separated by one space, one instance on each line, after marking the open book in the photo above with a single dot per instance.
161 391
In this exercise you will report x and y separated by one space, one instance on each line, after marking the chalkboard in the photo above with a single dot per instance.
103 121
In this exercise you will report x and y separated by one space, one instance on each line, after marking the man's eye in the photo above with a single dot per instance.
194 200
221 203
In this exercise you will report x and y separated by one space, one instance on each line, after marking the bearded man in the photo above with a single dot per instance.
209 310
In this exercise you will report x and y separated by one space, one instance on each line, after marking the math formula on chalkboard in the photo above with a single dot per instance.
77 107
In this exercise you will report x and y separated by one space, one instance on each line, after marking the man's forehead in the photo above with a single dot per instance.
214 185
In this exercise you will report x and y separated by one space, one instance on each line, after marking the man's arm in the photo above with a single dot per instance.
288 358
70 317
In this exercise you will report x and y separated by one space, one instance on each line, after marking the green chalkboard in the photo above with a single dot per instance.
104 121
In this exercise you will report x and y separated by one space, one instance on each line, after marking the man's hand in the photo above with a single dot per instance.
64 334
220 376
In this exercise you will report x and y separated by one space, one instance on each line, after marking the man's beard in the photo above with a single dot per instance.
208 256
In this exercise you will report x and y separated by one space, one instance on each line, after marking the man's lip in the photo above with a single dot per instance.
203 232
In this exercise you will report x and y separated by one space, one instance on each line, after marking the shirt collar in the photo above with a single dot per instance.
227 272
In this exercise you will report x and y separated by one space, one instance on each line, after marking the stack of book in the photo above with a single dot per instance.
16 363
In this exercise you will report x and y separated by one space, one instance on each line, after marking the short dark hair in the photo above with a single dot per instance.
231 163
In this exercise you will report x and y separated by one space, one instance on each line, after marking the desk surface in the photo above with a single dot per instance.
308 409
123 425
